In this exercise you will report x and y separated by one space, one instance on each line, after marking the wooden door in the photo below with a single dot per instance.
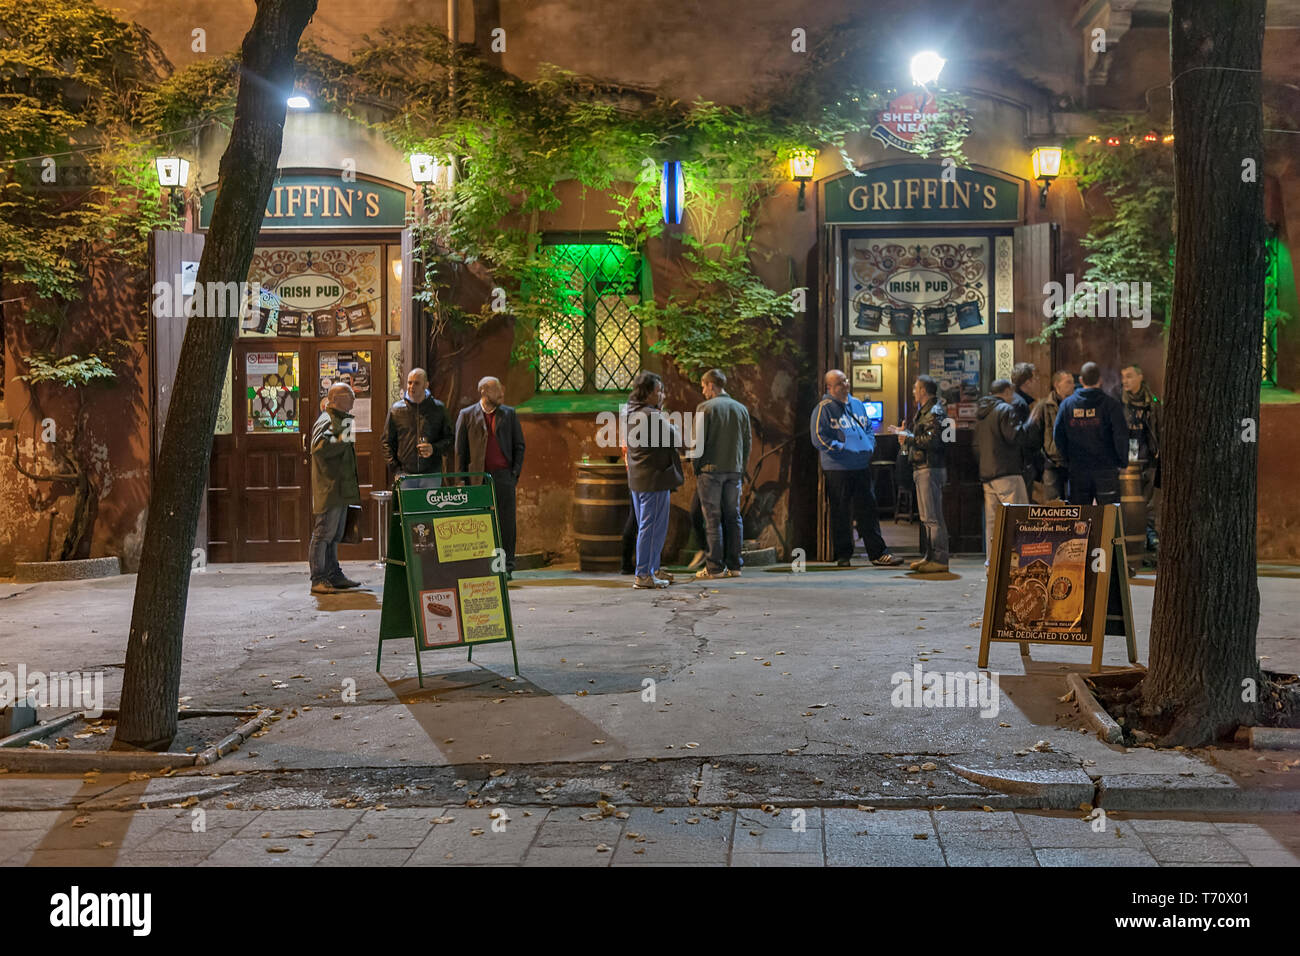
174 261
260 484
963 495
270 468
361 363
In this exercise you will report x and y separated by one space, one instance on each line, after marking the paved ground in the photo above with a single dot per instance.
775 688
638 836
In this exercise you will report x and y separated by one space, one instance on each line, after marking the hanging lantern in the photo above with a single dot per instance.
672 192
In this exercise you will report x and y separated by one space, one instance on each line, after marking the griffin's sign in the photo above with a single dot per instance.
900 122
323 201
919 193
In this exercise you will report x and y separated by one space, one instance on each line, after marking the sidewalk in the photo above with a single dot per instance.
638 836
774 688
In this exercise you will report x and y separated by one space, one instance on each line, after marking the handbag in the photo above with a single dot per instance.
352 526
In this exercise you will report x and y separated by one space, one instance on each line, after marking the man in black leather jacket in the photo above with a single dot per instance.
924 445
418 433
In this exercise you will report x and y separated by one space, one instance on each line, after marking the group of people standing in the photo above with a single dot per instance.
418 436
1076 438
720 452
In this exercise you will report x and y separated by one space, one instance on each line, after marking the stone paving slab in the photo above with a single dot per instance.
640 836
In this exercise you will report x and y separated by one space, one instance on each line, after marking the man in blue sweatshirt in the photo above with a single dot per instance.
1091 433
841 433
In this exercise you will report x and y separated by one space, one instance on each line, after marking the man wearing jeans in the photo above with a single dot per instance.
1000 439
924 446
722 451
841 433
333 488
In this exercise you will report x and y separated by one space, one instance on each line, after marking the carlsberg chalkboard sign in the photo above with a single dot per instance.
445 574
1057 575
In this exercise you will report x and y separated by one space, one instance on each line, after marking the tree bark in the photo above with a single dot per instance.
1207 599
151 683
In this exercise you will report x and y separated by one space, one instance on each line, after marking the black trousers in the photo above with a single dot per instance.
851 500
630 529
1102 484
503 483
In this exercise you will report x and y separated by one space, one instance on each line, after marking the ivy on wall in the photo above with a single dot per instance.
78 199
1131 238
514 139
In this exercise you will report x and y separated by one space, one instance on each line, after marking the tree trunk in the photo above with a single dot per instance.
151 683
1207 599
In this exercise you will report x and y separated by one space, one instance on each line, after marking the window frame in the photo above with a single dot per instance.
590 354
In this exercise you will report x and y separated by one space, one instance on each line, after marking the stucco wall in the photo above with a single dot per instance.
116 443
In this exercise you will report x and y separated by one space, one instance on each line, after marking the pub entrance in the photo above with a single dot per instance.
927 270
259 491
332 287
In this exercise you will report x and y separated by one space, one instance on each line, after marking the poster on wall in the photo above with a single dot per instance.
958 373
319 291
351 368
918 286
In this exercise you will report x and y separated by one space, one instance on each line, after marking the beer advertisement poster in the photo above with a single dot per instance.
441 620
1043 582
482 603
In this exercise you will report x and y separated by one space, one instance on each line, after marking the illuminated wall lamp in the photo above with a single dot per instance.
672 192
802 162
1047 166
173 173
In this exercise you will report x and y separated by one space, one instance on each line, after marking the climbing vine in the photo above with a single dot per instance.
78 200
514 140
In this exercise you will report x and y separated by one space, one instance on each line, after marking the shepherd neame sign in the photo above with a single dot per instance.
919 193
314 201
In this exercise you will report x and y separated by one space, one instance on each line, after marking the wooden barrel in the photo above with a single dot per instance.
601 503
1133 512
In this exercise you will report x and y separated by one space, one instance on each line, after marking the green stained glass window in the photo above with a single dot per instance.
593 341
1277 278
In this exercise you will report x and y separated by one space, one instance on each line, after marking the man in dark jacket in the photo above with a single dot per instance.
418 434
1000 440
1142 411
1021 376
1054 470
488 438
841 433
723 445
924 447
333 487
1092 435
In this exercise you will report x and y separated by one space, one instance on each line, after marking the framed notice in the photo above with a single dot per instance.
869 377
350 368
445 580
1057 575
